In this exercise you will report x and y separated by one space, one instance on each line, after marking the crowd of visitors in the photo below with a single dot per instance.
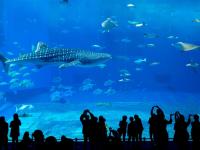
96 135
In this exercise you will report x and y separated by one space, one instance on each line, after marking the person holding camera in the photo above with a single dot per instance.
181 135
85 120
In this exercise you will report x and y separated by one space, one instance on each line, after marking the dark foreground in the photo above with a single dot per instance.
77 145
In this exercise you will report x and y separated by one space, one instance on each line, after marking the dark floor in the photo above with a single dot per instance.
125 146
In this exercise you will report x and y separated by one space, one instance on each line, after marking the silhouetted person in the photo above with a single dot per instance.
114 140
152 127
161 133
15 132
181 134
102 132
114 135
3 134
132 130
85 120
93 130
195 133
123 127
66 143
51 143
139 128
38 137
26 142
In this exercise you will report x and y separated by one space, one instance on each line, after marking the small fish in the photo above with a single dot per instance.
108 24
12 65
139 25
23 68
26 84
154 63
125 75
13 80
26 74
97 91
13 73
87 87
192 65
97 47
172 37
138 69
150 45
124 80
125 40
110 91
150 35
136 23
108 83
102 66
186 46
140 61
10 53
130 5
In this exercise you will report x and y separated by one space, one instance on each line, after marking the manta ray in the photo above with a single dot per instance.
187 46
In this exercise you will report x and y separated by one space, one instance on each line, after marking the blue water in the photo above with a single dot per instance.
58 96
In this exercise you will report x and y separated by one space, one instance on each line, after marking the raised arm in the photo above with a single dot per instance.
170 120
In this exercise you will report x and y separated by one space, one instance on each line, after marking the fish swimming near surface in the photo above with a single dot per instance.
59 56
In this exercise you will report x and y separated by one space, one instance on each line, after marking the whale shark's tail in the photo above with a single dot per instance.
5 65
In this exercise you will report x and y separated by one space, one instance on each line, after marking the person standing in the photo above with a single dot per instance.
195 132
3 134
123 127
139 128
14 125
85 120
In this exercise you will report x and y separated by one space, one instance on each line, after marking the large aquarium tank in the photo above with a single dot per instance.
114 57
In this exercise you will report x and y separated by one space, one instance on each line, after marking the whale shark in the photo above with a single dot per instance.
63 57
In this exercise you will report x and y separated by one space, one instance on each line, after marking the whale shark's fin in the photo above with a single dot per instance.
73 63
41 46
